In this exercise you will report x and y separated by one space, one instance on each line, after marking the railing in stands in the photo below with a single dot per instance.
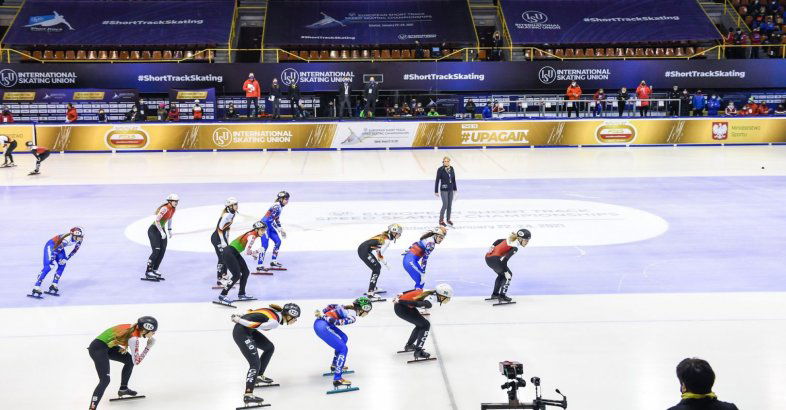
728 8
463 54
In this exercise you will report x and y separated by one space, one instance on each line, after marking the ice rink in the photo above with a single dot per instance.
640 257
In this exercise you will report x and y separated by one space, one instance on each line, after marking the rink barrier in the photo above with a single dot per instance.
394 135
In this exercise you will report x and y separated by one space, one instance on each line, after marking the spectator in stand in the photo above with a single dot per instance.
487 111
685 100
141 106
730 110
371 93
433 112
196 111
275 98
405 110
780 110
698 101
713 105
774 7
598 99
344 94
498 108
420 53
251 87
174 113
7 117
643 94
622 100
573 93
102 116
132 114
751 108
740 39
756 40
496 47
391 111
294 100
161 112
71 114
674 104
469 108
231 112
763 109
696 379
729 39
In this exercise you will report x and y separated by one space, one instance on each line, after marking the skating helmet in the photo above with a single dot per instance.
395 229
77 231
444 293
29 143
230 201
148 323
259 225
292 310
523 234
362 305
440 230
282 196
173 197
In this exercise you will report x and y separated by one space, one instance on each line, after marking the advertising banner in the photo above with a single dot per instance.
118 23
65 95
20 133
298 23
374 134
392 134
484 77
107 137
606 21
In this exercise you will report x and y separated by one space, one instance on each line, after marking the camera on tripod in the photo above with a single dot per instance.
514 372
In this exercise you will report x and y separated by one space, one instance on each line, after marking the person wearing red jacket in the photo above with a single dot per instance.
251 87
40 154
173 114
573 93
643 93
71 114
751 108
763 109
7 117
497 259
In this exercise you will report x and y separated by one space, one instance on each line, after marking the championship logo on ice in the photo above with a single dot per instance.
126 137
720 130
48 23
615 132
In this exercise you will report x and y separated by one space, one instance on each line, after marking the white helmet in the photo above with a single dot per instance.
395 228
173 197
440 231
230 201
445 291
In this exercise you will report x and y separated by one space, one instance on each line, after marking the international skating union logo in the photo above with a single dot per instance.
534 17
290 76
547 75
8 77
222 137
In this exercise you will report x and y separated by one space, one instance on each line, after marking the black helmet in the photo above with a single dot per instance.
282 195
523 234
29 143
147 323
292 310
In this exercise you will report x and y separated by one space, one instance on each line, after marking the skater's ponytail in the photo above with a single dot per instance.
428 234
276 307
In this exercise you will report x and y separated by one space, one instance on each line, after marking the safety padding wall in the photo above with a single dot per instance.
20 133
408 134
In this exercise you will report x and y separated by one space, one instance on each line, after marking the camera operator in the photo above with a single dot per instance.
696 379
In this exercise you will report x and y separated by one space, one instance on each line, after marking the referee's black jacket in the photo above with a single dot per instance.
445 180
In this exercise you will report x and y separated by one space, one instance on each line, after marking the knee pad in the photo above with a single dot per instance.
508 275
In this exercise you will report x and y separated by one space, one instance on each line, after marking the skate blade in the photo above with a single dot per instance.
344 372
405 351
381 292
377 300
267 385
421 360
225 304
488 299
245 300
253 406
52 293
216 287
35 296
264 272
276 268
127 398
342 390
504 303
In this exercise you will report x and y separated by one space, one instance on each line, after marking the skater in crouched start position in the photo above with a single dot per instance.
406 307
326 327
274 232
158 236
121 344
416 258
371 252
249 340
497 259
220 237
55 254
40 154
237 266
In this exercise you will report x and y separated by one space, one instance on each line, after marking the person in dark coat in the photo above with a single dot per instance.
445 188
674 106
344 97
685 101
275 98
622 100
371 93
696 379
294 100
420 53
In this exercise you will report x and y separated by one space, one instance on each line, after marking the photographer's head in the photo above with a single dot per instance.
695 376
